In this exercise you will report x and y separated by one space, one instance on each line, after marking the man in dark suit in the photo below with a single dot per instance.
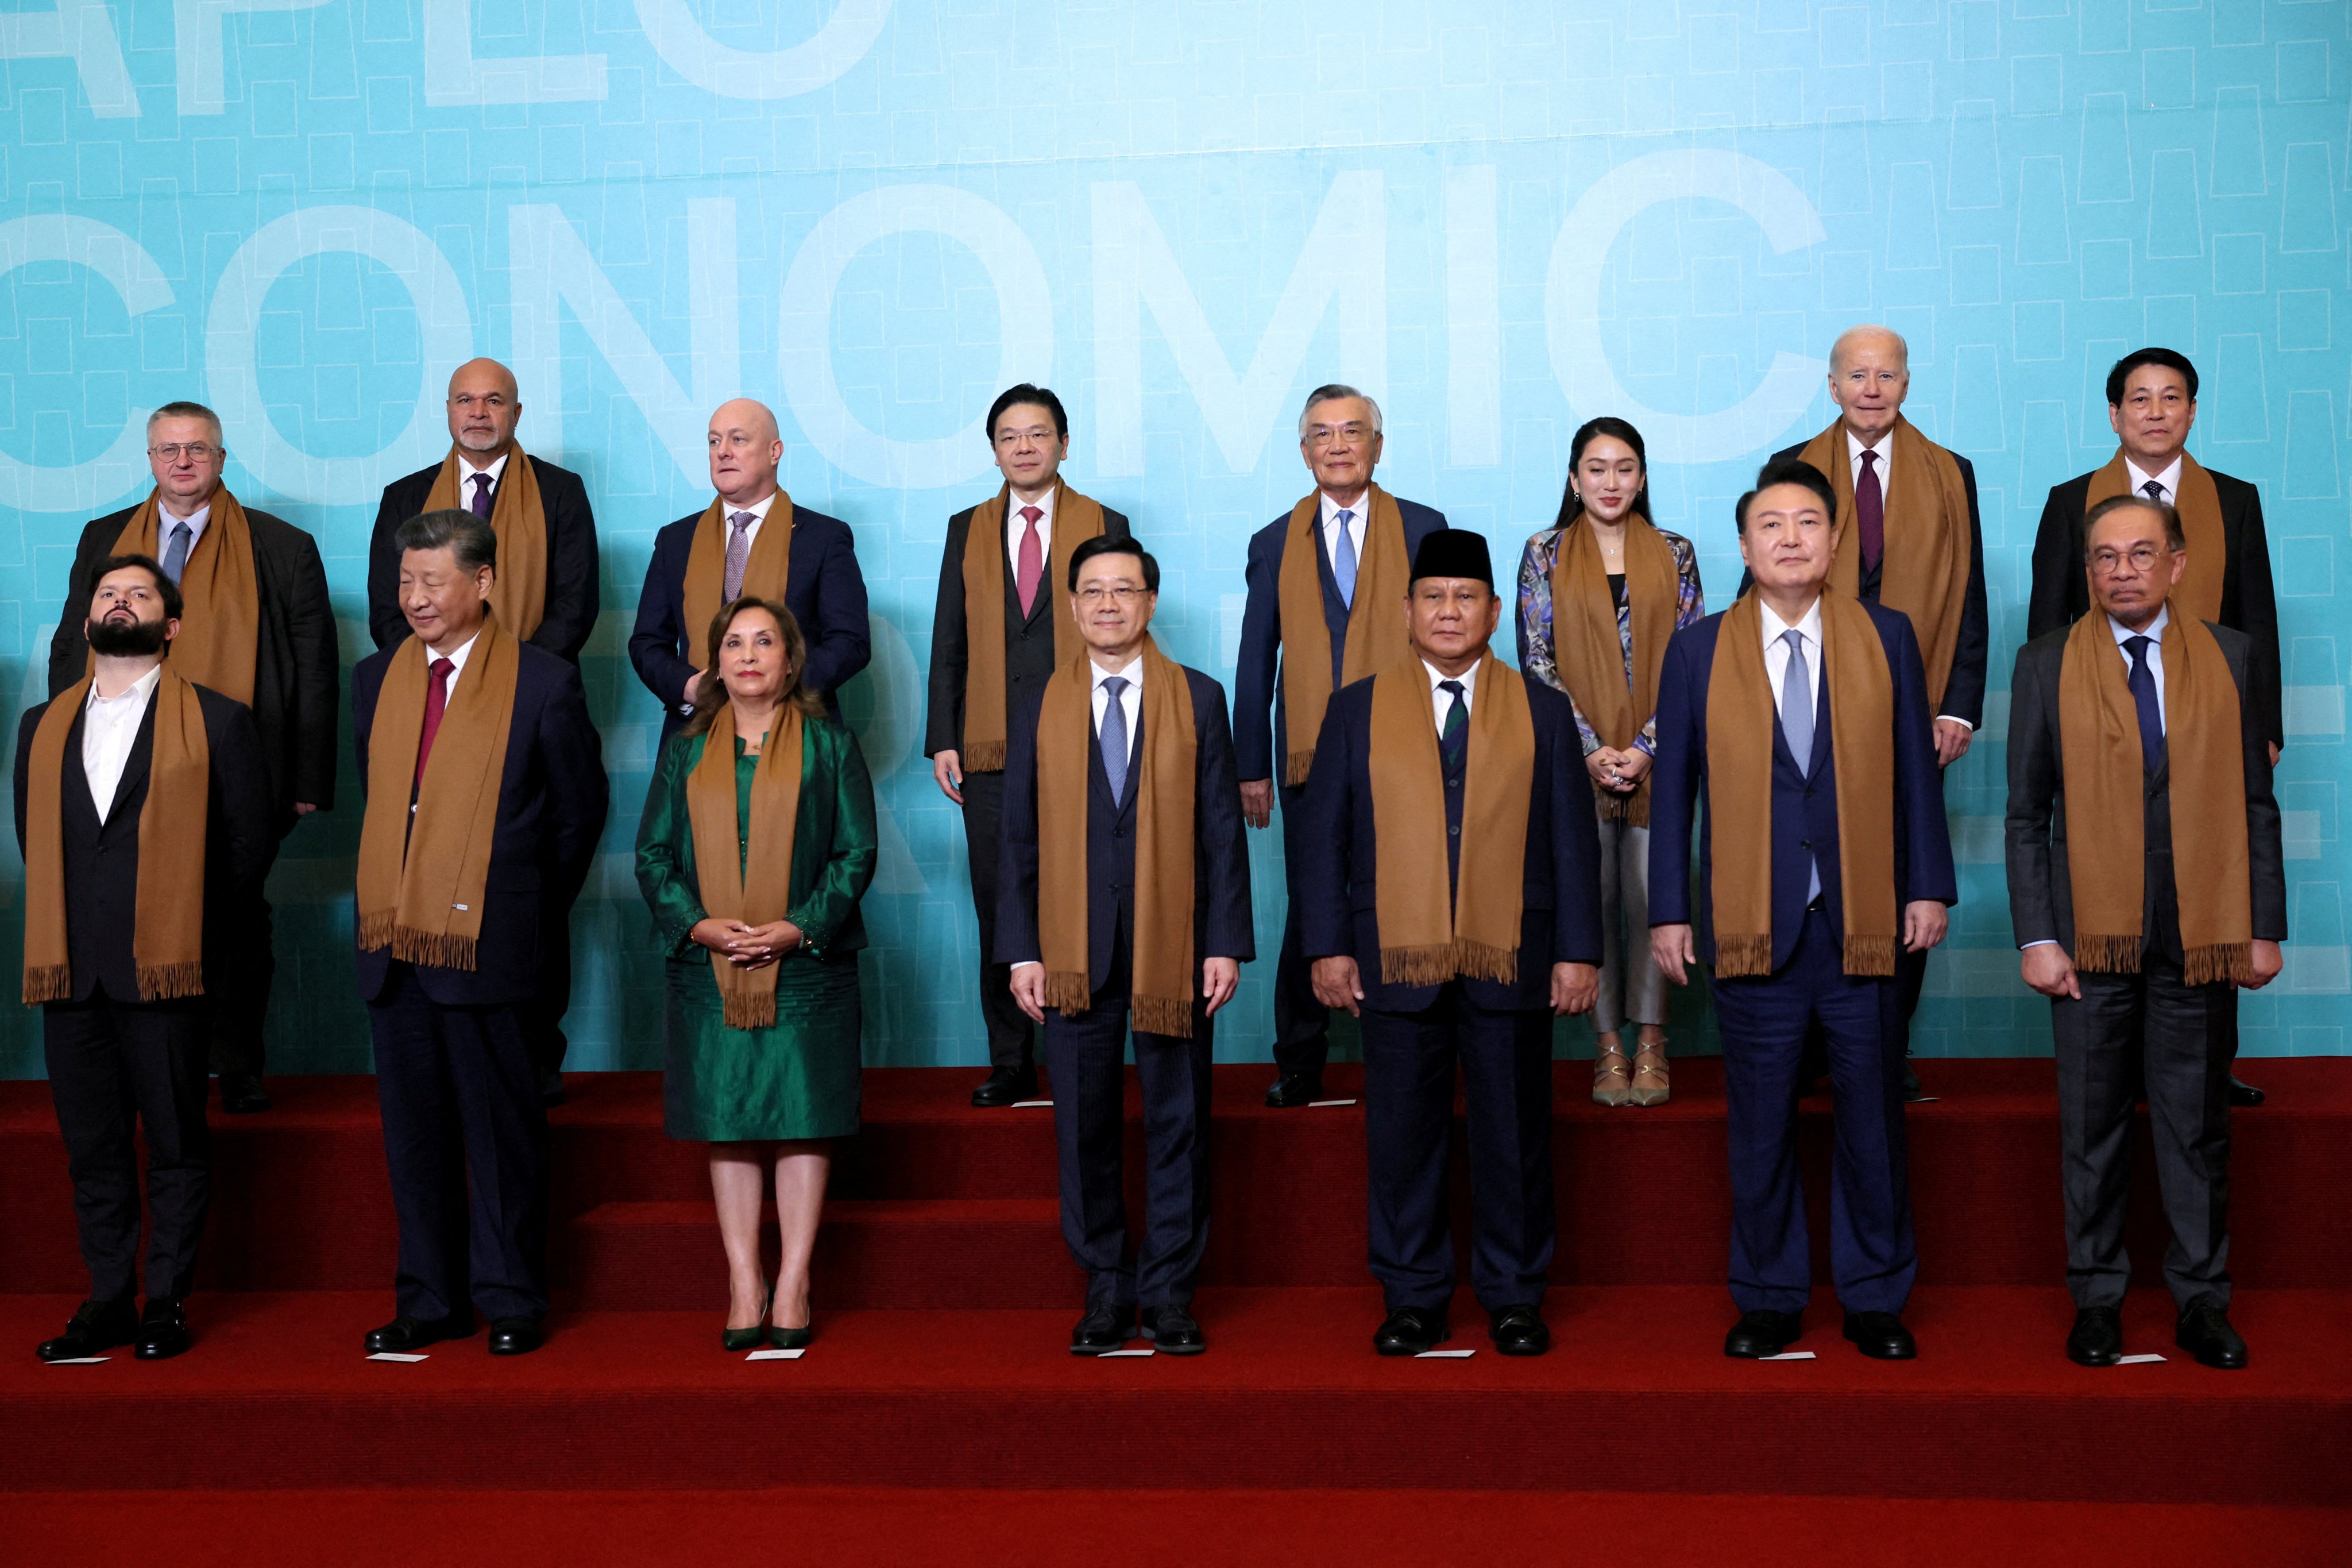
2138 766
2152 405
285 671
1823 710
1037 522
814 574
1354 527
1467 955
1104 910
139 854
449 946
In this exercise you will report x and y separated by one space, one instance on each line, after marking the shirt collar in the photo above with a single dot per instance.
1807 625
2154 630
1132 674
1468 677
1327 510
1043 504
194 520
469 469
458 658
757 508
2169 479
1855 446
138 689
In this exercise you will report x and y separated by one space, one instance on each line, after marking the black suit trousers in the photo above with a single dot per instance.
1302 1025
117 1068
458 1088
1011 1037
239 980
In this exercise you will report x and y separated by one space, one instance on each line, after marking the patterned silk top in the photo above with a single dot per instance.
1536 659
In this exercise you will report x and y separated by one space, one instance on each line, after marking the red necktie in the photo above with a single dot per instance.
1029 570
436 699
1870 512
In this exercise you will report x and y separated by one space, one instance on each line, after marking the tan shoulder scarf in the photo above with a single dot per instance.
2105 785
518 597
746 878
167 929
1739 726
220 622
2198 595
1165 969
1376 618
1428 936
1591 661
1925 571
420 885
1076 519
766 571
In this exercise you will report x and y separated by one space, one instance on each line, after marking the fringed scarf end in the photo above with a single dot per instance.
984 757
1296 766
48 983
1432 965
2232 961
1633 810
1163 1015
434 949
1068 992
1869 955
749 1009
375 930
1477 961
169 981
1743 957
2113 954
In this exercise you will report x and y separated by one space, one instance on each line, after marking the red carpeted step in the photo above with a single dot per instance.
1637 1394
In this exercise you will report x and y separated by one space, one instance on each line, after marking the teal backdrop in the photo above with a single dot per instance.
1501 216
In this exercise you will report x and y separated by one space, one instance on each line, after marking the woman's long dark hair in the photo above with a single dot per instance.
1571 505
711 692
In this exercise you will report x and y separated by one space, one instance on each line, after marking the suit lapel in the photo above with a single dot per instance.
134 766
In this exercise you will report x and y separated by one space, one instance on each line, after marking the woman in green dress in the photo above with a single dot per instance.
756 843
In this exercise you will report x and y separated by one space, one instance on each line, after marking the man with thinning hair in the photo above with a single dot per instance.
256 626
1324 582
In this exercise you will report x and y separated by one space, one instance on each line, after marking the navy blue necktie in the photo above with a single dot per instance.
2151 713
1454 739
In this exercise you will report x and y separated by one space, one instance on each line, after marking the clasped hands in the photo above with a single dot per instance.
1619 772
747 946
1575 987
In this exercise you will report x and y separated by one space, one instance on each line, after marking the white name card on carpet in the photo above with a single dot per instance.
1315 1104
2138 1360
1031 1104
1148 1349
394 1355
778 1355
1788 1355
1444 1355
81 1360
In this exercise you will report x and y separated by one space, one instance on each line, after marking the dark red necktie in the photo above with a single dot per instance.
1870 512
1030 569
436 699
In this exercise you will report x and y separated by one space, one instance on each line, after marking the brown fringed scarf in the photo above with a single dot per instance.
1925 571
1076 519
1740 721
1427 937
1165 970
1590 659
519 596
723 861
1376 618
421 884
167 931
2198 595
2106 793
765 571
220 622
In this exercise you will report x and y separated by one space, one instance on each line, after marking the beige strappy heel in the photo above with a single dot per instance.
1651 1083
1611 1079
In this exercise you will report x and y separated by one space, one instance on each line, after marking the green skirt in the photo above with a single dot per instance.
797 1078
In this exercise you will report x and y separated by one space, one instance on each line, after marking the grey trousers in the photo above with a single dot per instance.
2182 1035
1631 989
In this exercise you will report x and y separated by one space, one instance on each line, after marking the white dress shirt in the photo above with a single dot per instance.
1776 651
758 510
1856 447
458 658
1016 525
466 472
1130 701
1441 701
2170 480
1330 511
195 522
109 726
2155 636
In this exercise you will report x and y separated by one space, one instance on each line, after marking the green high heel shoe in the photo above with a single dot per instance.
748 1338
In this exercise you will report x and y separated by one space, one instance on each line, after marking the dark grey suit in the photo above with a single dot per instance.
2182 1035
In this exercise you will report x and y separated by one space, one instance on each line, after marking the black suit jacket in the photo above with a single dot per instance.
1560 921
2041 889
1221 924
823 589
2249 600
571 586
296 687
101 859
1028 639
552 798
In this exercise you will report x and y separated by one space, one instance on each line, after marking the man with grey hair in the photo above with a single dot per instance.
257 628
1326 590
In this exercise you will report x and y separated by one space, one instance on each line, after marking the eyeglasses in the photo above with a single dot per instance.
1352 432
195 451
1094 596
2107 562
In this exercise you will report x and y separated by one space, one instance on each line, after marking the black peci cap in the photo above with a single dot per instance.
1454 552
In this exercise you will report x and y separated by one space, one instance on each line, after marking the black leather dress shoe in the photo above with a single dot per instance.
242 1094
1295 1089
2243 1095
2098 1337
1104 1327
1519 1330
2204 1332
1763 1332
1880 1336
1912 1092
96 1328
162 1330
1409 1331
406 1335
1174 1331
1006 1084
515 1336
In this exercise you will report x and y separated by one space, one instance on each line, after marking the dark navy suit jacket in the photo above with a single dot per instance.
552 800
569 612
823 589
1221 926
1560 910
1259 747
1804 805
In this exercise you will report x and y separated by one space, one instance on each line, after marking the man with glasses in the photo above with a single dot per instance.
256 626
1325 582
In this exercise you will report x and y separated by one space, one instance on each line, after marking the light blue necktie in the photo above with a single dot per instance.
1343 561
1114 735
175 554
1797 724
